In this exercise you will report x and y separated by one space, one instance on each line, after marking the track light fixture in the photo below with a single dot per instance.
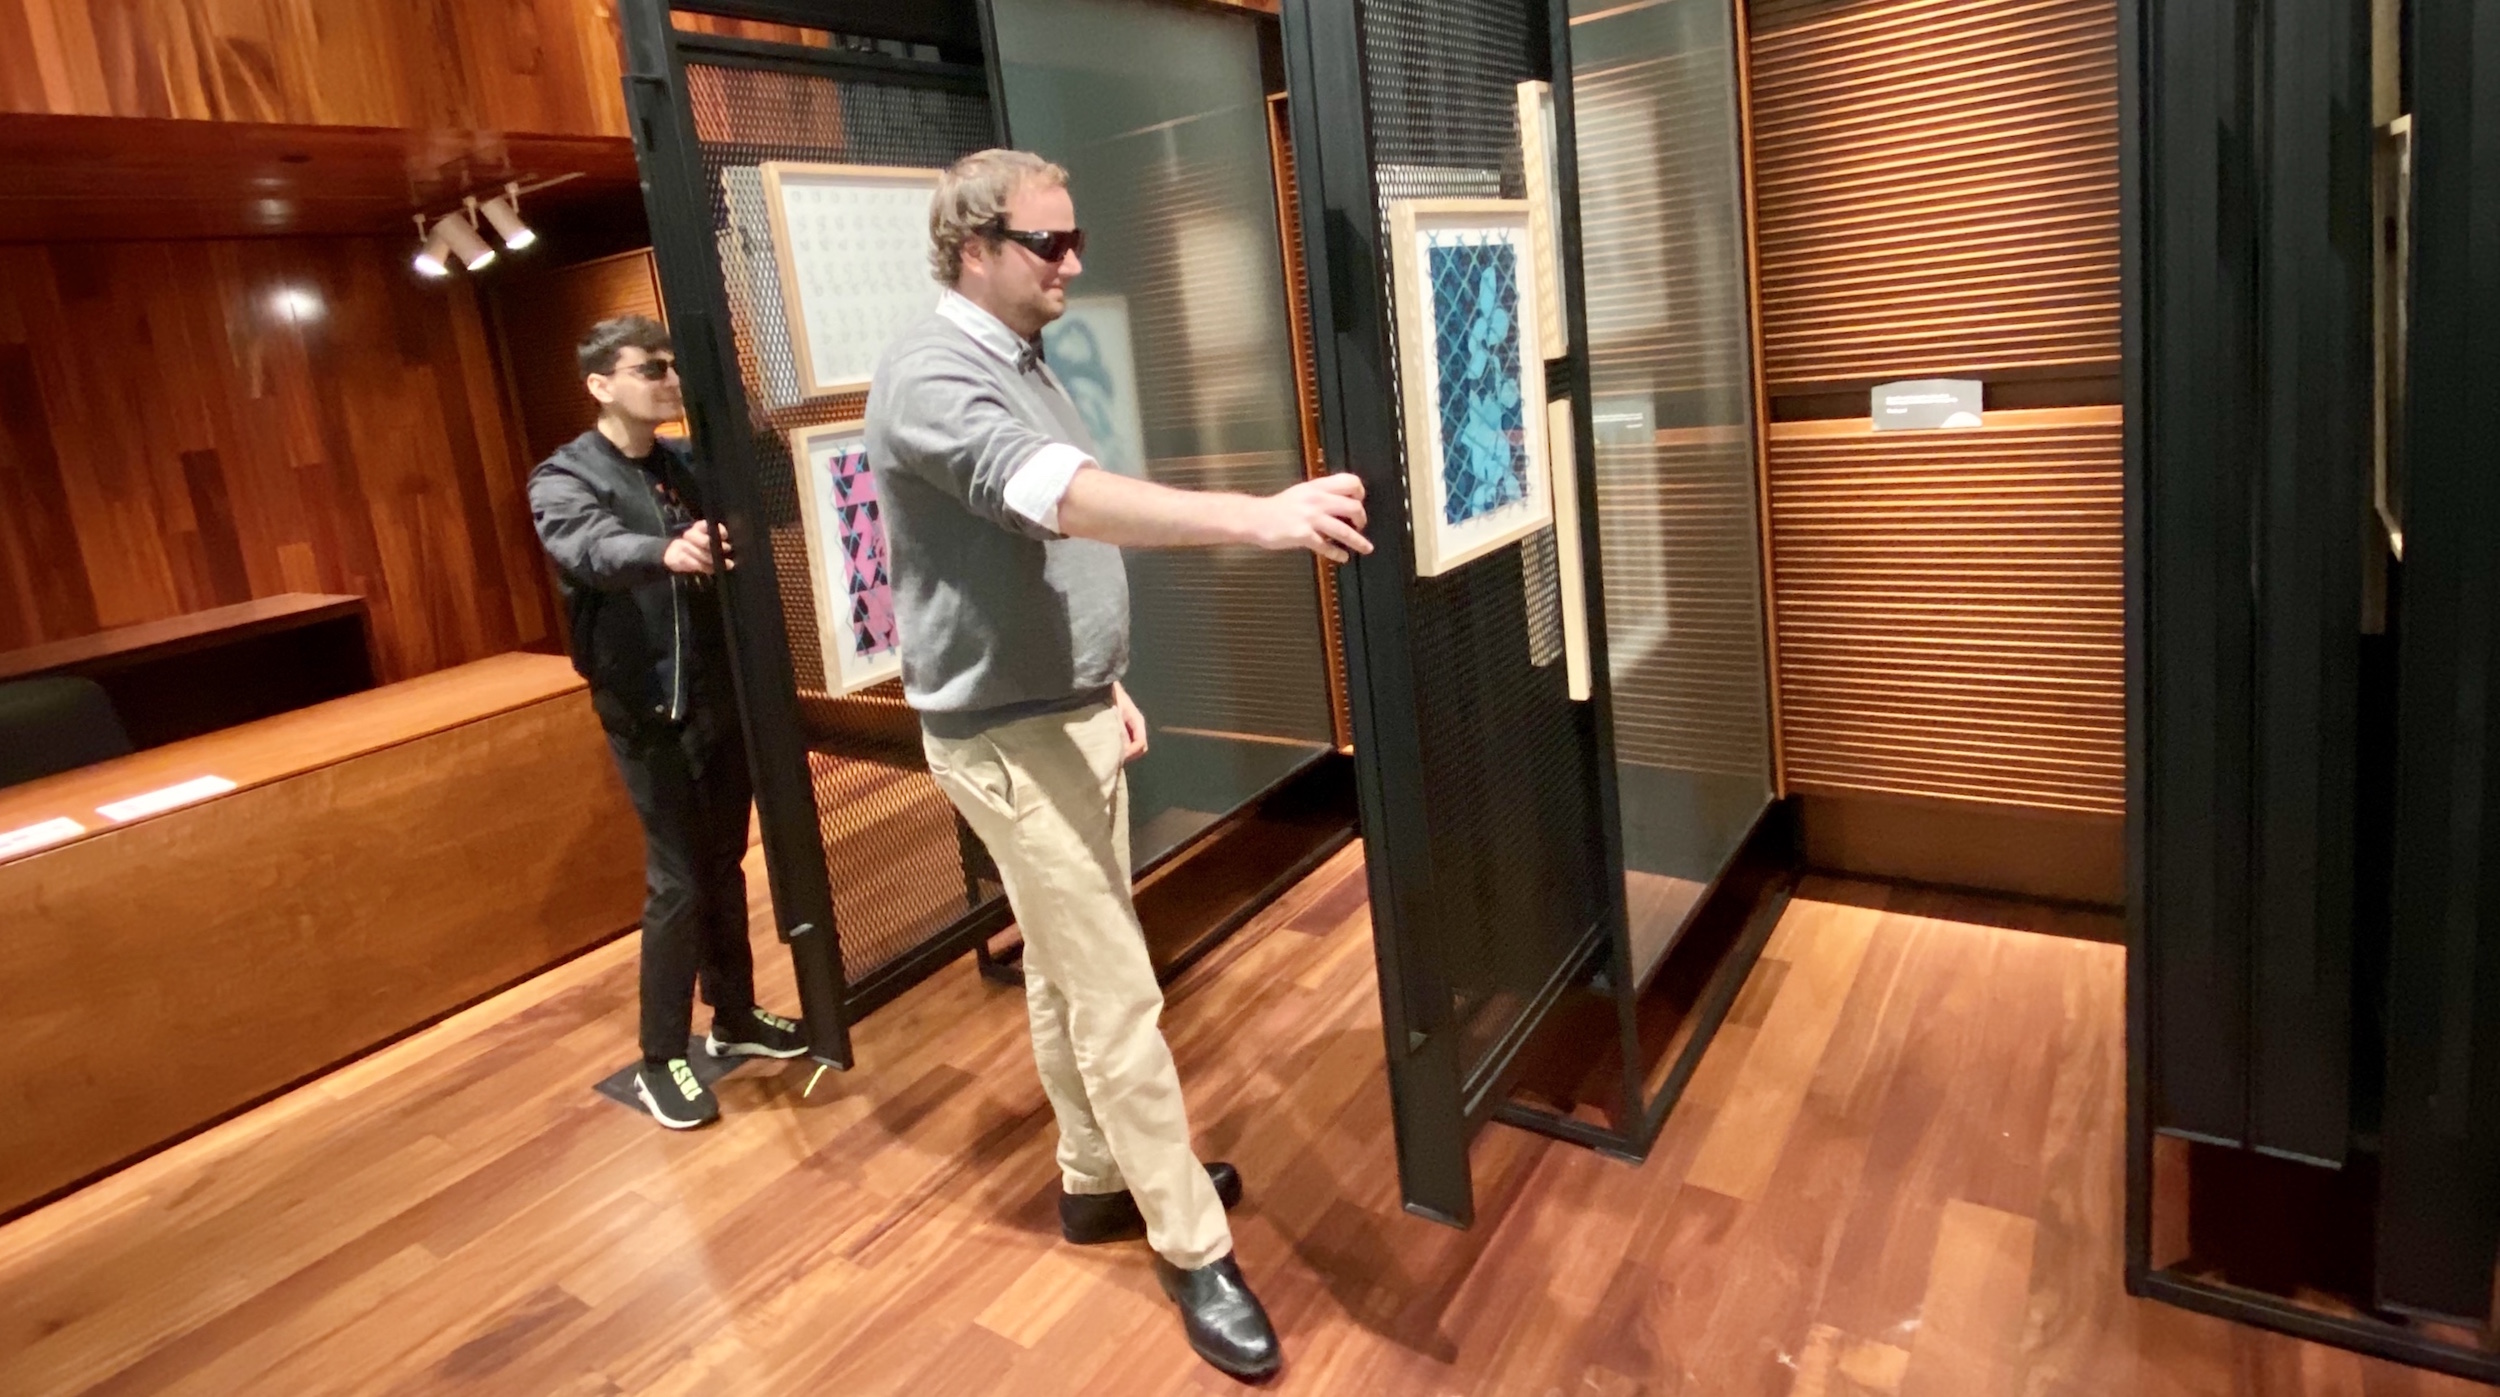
456 233
434 258
504 212
461 228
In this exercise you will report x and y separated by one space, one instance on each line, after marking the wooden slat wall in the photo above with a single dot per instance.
189 424
1951 609
1937 191
543 66
1937 187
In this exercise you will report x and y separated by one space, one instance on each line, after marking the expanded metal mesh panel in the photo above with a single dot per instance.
1505 758
893 849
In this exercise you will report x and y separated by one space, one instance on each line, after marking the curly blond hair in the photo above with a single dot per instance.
972 195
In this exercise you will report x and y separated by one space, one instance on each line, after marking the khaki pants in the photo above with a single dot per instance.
1048 798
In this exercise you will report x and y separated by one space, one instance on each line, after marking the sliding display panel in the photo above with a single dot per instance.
2439 1201
1485 789
1178 347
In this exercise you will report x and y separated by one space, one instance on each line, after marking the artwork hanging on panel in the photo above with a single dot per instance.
852 247
1539 157
750 272
1471 374
1089 350
847 561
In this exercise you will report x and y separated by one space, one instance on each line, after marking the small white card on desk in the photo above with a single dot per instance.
198 788
32 837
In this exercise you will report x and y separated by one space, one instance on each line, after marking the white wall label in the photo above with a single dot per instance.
1927 403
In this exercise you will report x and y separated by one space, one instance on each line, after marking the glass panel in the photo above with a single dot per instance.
1671 388
1177 345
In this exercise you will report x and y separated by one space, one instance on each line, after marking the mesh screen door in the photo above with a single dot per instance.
1494 857
857 836
875 880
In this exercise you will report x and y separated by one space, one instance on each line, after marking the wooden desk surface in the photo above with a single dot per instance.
176 634
273 749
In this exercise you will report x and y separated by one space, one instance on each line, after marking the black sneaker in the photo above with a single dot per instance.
672 1095
755 1034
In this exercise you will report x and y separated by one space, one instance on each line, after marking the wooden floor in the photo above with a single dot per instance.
1897 1172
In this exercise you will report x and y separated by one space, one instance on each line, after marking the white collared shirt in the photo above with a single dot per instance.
1037 486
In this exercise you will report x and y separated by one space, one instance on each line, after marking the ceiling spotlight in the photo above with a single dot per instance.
461 229
504 212
433 259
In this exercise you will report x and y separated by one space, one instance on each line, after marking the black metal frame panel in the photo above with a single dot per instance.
679 200
2248 421
2245 251
1438 1100
2439 1208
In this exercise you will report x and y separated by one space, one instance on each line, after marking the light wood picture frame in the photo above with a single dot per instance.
1570 561
851 243
1540 157
850 567
1477 474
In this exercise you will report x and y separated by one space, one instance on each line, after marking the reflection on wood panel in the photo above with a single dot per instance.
85 178
1951 609
1938 187
185 425
1938 1209
543 66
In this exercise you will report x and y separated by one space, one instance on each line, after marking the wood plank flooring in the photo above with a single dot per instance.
1897 1172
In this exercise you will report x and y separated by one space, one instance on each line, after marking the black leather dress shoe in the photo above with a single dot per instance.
1226 1323
1088 1219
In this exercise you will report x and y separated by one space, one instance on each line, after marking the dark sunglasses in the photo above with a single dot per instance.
1050 247
651 370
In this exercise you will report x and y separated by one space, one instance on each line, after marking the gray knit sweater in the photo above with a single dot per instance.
999 618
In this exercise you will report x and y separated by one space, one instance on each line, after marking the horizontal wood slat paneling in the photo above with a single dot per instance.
1950 609
542 66
186 425
1937 186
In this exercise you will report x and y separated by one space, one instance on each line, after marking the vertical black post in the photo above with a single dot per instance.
2439 1206
1350 334
679 203
2135 63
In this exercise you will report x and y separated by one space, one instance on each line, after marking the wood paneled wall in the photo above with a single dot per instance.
542 66
1936 184
188 424
543 316
1937 188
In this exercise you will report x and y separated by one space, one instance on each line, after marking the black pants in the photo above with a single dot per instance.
693 799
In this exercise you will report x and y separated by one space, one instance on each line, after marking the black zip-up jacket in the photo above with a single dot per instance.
647 639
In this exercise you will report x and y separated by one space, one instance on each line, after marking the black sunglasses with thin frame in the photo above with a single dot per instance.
1050 247
650 370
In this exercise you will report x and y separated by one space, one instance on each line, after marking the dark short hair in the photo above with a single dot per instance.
599 349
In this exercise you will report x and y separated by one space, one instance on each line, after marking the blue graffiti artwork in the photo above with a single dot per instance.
1475 326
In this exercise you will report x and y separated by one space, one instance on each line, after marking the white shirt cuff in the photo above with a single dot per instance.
1036 487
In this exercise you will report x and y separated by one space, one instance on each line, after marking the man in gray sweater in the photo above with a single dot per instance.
1011 603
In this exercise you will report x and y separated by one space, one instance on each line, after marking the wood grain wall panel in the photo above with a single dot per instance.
542 317
1951 609
192 424
541 66
1937 185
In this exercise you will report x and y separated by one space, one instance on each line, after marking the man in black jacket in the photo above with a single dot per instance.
619 511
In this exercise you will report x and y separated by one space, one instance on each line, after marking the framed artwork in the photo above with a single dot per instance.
1544 169
1471 374
851 244
1089 351
847 561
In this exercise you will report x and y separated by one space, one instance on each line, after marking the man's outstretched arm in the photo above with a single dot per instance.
1324 516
